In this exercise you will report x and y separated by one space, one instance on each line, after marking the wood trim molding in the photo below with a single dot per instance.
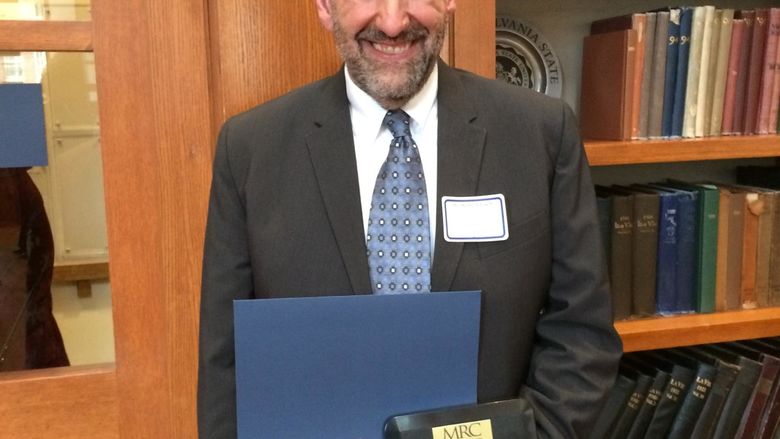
50 36
64 403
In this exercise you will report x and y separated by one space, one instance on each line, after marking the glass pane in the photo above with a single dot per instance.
55 302
55 10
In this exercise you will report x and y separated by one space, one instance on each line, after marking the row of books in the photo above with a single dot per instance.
682 72
725 390
677 247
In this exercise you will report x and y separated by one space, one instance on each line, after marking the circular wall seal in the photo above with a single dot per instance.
525 58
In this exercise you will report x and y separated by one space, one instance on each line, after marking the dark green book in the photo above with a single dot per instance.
613 408
621 241
635 401
654 394
713 407
680 379
694 401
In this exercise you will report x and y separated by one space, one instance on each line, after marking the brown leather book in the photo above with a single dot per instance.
754 209
734 242
742 76
755 70
768 75
737 36
637 22
763 252
720 74
607 92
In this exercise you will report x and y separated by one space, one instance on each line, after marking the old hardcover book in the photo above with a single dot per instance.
741 391
755 70
754 208
681 81
694 401
681 378
670 75
654 394
771 414
635 401
647 75
607 89
768 74
725 376
707 228
721 264
616 402
639 23
744 70
726 18
655 118
775 99
694 71
706 72
736 205
644 250
620 256
735 56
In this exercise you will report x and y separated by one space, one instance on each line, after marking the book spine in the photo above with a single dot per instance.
647 74
775 101
724 380
763 251
666 275
674 393
612 409
734 264
640 26
721 72
694 401
645 415
670 75
705 69
708 249
755 70
753 210
694 72
752 416
644 253
724 214
659 73
687 244
738 398
633 405
768 75
737 35
622 237
774 256
681 81
742 76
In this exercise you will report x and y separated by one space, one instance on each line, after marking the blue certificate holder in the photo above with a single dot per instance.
341 366
22 132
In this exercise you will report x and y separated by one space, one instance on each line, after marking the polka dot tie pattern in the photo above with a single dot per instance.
398 238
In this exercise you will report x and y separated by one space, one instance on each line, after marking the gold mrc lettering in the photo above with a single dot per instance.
468 430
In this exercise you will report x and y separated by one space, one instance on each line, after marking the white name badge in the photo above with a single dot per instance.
475 219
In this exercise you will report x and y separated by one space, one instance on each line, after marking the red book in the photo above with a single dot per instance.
737 37
755 70
775 102
768 76
740 95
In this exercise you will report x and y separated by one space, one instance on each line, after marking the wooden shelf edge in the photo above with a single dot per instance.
51 36
693 329
607 153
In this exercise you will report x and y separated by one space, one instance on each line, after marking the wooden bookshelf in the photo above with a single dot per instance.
693 329
604 153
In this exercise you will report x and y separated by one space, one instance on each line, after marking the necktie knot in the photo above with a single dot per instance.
397 121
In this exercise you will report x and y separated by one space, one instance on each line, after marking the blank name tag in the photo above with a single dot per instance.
475 219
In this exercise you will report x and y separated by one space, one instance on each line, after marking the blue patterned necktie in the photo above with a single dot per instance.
398 238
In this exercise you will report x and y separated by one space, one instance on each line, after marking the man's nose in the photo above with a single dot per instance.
393 17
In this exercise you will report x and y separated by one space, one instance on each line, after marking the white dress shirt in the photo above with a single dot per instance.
372 140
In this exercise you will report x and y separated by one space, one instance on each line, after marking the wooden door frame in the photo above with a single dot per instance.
166 75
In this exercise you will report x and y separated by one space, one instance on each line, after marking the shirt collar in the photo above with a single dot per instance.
368 111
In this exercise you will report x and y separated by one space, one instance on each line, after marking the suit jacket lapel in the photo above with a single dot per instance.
332 152
461 142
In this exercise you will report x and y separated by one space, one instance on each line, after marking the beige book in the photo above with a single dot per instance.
694 66
704 71
721 72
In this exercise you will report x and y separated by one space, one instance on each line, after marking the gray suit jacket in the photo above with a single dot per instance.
285 221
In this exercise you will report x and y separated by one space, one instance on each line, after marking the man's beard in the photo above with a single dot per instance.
390 82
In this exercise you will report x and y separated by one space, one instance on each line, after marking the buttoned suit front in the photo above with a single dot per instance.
285 221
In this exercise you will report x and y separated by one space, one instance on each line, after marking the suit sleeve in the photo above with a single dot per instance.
577 350
227 275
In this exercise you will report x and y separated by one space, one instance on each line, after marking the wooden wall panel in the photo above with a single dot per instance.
62 403
263 49
151 62
474 36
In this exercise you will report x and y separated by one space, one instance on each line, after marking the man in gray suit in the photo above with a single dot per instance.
291 213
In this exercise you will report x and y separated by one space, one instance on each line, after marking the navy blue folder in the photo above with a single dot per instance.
23 139
670 75
341 366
